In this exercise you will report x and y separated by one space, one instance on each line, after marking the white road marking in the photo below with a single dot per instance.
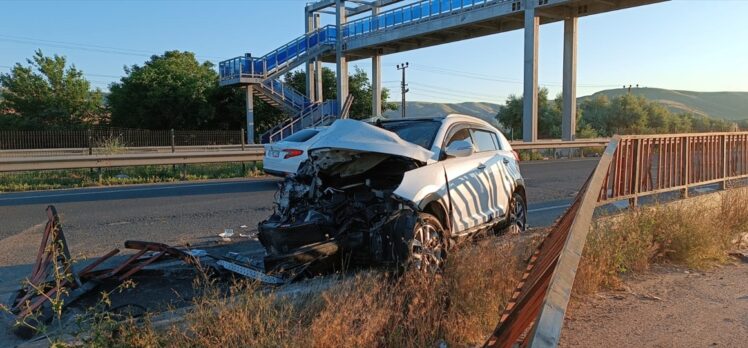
121 190
548 208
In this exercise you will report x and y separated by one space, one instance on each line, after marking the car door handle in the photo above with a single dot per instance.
481 166
506 161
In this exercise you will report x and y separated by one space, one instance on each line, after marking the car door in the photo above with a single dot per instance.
469 191
496 172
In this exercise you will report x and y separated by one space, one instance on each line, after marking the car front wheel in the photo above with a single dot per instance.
428 250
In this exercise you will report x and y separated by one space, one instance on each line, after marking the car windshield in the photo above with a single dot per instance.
419 132
302 136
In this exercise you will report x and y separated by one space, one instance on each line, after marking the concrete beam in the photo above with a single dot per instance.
569 116
376 79
317 69
341 64
310 75
250 114
530 109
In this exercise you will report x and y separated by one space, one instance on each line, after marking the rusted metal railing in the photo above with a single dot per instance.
652 164
630 167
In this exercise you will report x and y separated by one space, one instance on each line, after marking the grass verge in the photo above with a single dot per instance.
460 307
73 178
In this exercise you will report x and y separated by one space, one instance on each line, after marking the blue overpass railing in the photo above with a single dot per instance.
261 67
289 95
418 11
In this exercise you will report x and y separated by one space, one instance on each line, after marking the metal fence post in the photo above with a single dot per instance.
637 172
243 139
172 140
723 183
90 148
687 165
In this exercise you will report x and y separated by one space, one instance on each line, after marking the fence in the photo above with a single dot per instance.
630 167
125 137
646 165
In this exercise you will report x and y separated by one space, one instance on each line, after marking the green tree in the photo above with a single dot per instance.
172 90
549 115
48 94
359 86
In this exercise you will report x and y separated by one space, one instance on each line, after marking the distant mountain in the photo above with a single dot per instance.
725 105
486 111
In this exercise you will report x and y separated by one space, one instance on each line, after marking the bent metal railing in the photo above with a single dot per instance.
631 167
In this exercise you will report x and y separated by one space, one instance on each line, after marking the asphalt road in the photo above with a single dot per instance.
99 219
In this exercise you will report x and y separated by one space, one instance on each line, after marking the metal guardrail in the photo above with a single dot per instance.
14 164
630 167
560 144
69 158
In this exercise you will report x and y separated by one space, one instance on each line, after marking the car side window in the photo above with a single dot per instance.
484 140
462 134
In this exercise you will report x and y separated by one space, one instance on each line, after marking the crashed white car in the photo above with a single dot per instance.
396 192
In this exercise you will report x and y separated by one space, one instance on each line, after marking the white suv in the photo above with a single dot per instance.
395 192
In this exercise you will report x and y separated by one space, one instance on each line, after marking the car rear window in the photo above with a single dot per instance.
302 135
421 132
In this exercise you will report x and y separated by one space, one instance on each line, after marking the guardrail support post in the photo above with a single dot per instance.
244 166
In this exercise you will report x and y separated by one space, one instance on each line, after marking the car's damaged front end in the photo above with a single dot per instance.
342 201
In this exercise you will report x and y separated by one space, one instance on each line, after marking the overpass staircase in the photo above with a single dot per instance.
264 74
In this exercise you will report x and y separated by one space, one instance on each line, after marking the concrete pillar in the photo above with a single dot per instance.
250 115
376 79
530 110
310 75
341 68
317 69
569 117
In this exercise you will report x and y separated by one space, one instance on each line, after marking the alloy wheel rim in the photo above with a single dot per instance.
427 250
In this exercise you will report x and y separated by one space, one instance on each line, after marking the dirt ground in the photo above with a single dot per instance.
666 307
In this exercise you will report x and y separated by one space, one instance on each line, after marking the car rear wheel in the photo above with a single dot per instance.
517 214
428 250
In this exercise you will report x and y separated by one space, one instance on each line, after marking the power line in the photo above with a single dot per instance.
87 47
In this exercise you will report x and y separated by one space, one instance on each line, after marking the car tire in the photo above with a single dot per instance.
428 248
517 214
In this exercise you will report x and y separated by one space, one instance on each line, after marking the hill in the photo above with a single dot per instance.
486 111
725 105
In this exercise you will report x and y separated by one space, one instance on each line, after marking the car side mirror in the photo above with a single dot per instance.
459 148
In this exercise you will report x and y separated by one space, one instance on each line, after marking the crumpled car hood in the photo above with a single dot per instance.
364 137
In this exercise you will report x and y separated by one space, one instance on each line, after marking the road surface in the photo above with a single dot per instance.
99 219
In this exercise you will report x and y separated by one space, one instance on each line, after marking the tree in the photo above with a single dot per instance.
172 90
358 85
549 115
48 94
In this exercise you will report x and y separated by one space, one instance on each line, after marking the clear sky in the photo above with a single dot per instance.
697 45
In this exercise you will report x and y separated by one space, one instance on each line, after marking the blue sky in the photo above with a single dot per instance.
697 45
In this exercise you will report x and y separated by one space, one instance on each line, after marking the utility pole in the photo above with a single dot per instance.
403 86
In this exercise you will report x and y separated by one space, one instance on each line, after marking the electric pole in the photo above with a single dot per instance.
403 86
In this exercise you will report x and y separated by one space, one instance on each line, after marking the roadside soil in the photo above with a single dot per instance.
665 307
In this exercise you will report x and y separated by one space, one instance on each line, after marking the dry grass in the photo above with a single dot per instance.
459 307
691 234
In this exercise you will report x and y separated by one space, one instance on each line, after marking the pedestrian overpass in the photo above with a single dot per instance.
370 29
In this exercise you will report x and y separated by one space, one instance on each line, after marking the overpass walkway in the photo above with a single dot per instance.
411 26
